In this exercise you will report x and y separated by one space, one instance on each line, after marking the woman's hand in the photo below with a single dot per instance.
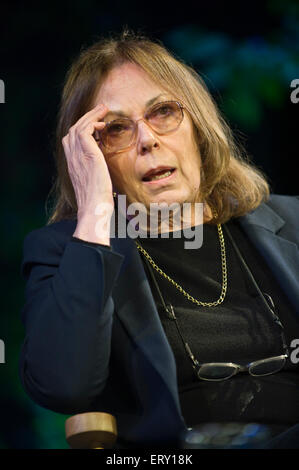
90 177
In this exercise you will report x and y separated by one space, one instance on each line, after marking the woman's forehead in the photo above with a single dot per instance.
128 86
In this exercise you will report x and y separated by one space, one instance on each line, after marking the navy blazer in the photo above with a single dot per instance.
94 340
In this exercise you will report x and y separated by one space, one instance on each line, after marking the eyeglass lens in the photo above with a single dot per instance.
216 371
268 366
163 118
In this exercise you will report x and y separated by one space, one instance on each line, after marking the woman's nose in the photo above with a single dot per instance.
146 137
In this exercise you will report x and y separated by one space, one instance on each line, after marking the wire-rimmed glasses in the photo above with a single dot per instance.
120 134
216 371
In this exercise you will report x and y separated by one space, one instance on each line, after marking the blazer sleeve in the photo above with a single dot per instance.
68 315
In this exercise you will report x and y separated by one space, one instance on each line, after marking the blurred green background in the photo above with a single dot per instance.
248 54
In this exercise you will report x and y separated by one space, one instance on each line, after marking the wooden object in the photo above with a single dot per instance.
93 430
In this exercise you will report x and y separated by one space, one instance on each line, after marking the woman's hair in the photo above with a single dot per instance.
230 184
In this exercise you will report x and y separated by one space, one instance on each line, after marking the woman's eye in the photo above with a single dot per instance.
164 110
117 128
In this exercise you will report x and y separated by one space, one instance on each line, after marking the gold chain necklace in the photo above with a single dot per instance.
189 297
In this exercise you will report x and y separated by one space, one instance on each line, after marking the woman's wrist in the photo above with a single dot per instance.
94 228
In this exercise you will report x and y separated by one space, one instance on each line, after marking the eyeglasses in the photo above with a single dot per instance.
120 134
216 371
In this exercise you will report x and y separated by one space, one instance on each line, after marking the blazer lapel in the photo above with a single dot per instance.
281 255
136 308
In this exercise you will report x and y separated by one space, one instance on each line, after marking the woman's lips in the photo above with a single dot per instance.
161 180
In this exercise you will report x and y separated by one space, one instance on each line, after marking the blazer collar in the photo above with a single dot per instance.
265 228
264 217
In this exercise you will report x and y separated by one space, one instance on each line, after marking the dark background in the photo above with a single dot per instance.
247 53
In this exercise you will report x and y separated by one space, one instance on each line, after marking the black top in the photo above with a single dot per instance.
239 330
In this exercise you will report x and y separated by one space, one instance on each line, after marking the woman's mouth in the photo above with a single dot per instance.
160 176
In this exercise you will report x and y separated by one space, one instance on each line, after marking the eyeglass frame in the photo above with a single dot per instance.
237 367
134 134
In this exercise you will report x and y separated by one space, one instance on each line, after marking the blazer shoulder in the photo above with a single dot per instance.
286 207
283 199
57 232
46 244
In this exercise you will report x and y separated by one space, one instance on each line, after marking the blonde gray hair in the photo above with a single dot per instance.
231 185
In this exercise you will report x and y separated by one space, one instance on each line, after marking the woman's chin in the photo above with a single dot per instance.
168 198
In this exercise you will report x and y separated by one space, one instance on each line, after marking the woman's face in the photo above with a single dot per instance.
128 88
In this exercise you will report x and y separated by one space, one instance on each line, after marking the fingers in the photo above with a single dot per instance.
87 124
86 163
94 115
85 139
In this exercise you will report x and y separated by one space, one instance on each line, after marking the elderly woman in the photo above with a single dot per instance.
163 337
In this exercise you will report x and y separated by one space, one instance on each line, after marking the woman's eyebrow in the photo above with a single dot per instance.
150 102
119 112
